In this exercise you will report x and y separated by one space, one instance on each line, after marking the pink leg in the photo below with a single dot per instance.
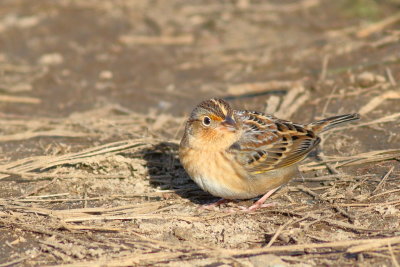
215 204
260 203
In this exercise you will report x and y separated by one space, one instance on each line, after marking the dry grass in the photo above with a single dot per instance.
157 221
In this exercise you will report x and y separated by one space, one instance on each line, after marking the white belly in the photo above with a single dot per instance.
215 188
216 175
226 179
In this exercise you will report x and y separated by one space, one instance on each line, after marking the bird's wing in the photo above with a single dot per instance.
268 143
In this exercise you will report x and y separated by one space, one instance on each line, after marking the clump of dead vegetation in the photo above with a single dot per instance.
148 211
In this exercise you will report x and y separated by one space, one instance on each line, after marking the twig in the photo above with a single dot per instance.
294 106
383 179
286 8
50 133
91 228
384 193
328 101
261 87
372 156
157 40
294 99
48 196
44 162
390 76
85 202
331 177
331 168
301 247
335 207
33 177
38 188
278 232
344 213
272 104
308 191
376 101
67 252
13 262
325 62
374 245
59 200
395 202
20 99
375 27
35 229
394 260
19 174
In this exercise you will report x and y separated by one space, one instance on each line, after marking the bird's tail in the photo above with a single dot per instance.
332 122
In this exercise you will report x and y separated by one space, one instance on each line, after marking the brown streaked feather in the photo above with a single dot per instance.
218 107
269 143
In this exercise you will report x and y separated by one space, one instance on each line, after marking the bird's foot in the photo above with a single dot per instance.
257 206
215 204
260 203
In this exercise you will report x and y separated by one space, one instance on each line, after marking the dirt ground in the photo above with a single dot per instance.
94 96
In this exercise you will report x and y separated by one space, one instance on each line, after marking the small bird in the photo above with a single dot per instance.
241 154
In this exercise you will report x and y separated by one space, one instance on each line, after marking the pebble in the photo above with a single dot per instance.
51 59
367 79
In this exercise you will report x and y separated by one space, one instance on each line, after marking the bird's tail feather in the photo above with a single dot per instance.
332 122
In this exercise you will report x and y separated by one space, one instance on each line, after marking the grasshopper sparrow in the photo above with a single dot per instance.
240 154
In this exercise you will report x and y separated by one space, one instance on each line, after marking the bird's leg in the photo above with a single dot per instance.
215 204
260 203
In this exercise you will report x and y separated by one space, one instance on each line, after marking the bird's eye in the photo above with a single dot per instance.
206 121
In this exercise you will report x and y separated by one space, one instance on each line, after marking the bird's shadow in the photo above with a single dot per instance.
166 173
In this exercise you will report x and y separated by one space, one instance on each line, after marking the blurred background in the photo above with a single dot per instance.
71 56
81 58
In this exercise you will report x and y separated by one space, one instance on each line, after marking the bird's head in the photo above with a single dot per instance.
212 124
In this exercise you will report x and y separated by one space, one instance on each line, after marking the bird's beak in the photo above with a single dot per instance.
230 124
